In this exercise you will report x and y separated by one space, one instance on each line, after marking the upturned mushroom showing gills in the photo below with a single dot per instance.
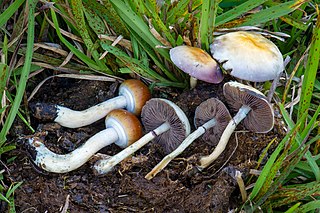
133 94
248 56
211 118
197 63
165 123
122 128
253 108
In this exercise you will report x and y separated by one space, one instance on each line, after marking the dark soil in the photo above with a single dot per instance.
179 188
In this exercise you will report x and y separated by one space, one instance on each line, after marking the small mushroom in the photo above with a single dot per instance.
133 94
122 128
253 108
211 118
248 56
197 63
165 123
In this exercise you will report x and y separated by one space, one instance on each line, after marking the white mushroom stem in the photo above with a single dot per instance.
193 136
58 163
105 166
193 82
74 119
207 160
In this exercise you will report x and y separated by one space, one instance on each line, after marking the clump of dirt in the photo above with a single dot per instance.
179 188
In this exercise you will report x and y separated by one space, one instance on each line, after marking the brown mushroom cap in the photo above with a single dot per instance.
212 108
260 119
126 124
138 94
158 111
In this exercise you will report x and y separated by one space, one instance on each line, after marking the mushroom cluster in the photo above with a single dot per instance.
163 121
244 55
122 128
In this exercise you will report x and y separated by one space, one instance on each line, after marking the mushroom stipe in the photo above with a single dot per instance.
253 109
133 94
211 117
122 128
165 123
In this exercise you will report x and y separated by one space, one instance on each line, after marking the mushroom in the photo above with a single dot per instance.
133 94
165 123
122 128
249 56
253 108
211 118
197 63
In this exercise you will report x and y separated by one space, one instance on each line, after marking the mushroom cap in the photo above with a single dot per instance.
126 124
207 110
197 63
137 93
158 111
249 56
260 119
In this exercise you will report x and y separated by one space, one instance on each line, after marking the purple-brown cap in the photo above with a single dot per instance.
197 63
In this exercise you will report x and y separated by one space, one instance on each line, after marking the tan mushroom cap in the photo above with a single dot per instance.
138 93
158 111
212 108
197 63
248 56
260 119
127 126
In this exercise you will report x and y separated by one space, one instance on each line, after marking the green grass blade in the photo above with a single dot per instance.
108 13
204 25
6 149
24 75
275 168
150 51
295 23
313 205
265 172
293 208
286 170
7 14
300 137
4 198
4 74
12 188
293 193
271 13
138 26
207 22
78 53
237 11
178 11
77 9
158 23
311 70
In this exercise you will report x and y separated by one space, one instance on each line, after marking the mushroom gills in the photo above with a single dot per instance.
161 111
211 117
253 109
